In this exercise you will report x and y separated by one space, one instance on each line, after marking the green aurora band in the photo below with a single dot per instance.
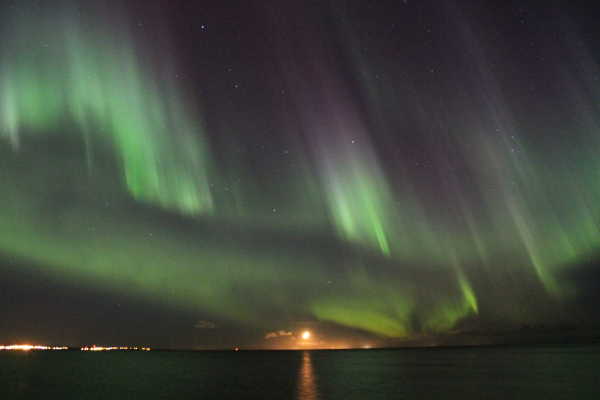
92 76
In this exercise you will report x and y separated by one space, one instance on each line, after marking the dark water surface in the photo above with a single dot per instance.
462 373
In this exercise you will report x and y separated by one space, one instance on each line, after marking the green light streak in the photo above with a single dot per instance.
370 305
468 294
359 315
358 207
96 79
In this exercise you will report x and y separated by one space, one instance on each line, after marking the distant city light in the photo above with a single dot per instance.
114 348
29 347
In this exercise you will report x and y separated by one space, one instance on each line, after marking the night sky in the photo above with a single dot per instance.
218 173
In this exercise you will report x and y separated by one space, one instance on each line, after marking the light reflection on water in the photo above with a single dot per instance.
307 384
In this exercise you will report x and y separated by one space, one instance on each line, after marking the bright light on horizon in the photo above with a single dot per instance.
306 335
28 347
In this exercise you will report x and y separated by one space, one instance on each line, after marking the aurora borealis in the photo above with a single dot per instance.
388 169
91 75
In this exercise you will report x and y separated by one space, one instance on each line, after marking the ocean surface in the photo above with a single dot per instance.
452 373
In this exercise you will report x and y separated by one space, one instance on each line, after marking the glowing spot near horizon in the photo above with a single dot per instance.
306 335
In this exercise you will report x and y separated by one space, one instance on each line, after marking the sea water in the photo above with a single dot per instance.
569 372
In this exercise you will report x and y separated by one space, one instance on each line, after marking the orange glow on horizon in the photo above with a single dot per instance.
306 335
